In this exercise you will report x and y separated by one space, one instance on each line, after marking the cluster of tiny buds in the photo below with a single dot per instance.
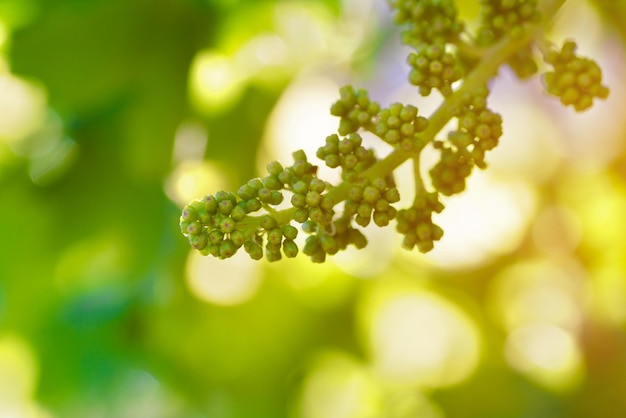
354 109
575 80
347 153
478 130
434 68
221 224
429 22
400 125
416 222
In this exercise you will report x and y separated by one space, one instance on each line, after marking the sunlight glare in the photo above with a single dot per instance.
546 354
229 282
214 81
338 387
419 338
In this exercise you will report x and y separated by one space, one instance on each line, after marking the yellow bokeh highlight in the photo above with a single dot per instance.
23 108
338 386
223 282
214 81
488 220
19 375
546 354
193 179
538 291
417 337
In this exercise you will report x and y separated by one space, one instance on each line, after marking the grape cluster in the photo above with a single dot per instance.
311 202
509 17
575 80
478 131
219 224
347 153
416 222
434 68
400 125
429 21
329 241
354 109
372 200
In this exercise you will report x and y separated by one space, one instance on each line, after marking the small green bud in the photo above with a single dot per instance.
311 245
274 168
237 237
216 236
290 232
194 228
227 225
290 248
301 215
275 236
253 249
267 222
239 211
199 242
252 205
227 249
225 206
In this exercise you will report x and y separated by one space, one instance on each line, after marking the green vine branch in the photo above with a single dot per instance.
220 224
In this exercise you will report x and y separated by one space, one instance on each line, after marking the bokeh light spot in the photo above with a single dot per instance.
214 81
223 282
546 354
338 387
538 291
193 179
420 338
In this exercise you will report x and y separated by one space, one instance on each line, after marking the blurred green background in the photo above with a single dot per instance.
115 113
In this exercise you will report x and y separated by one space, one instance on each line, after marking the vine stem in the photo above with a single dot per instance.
492 58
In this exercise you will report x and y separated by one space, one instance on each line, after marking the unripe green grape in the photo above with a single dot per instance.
253 249
210 203
237 237
198 241
246 192
194 228
327 203
267 222
380 218
311 245
313 198
272 183
255 184
227 225
252 205
329 244
276 198
239 212
364 210
357 238
216 236
289 232
290 248
371 194
225 206
300 187
362 220
214 250
189 214
274 168
275 236
301 215
227 249
298 200
265 195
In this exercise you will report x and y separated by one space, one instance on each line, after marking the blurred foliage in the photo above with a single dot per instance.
102 315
